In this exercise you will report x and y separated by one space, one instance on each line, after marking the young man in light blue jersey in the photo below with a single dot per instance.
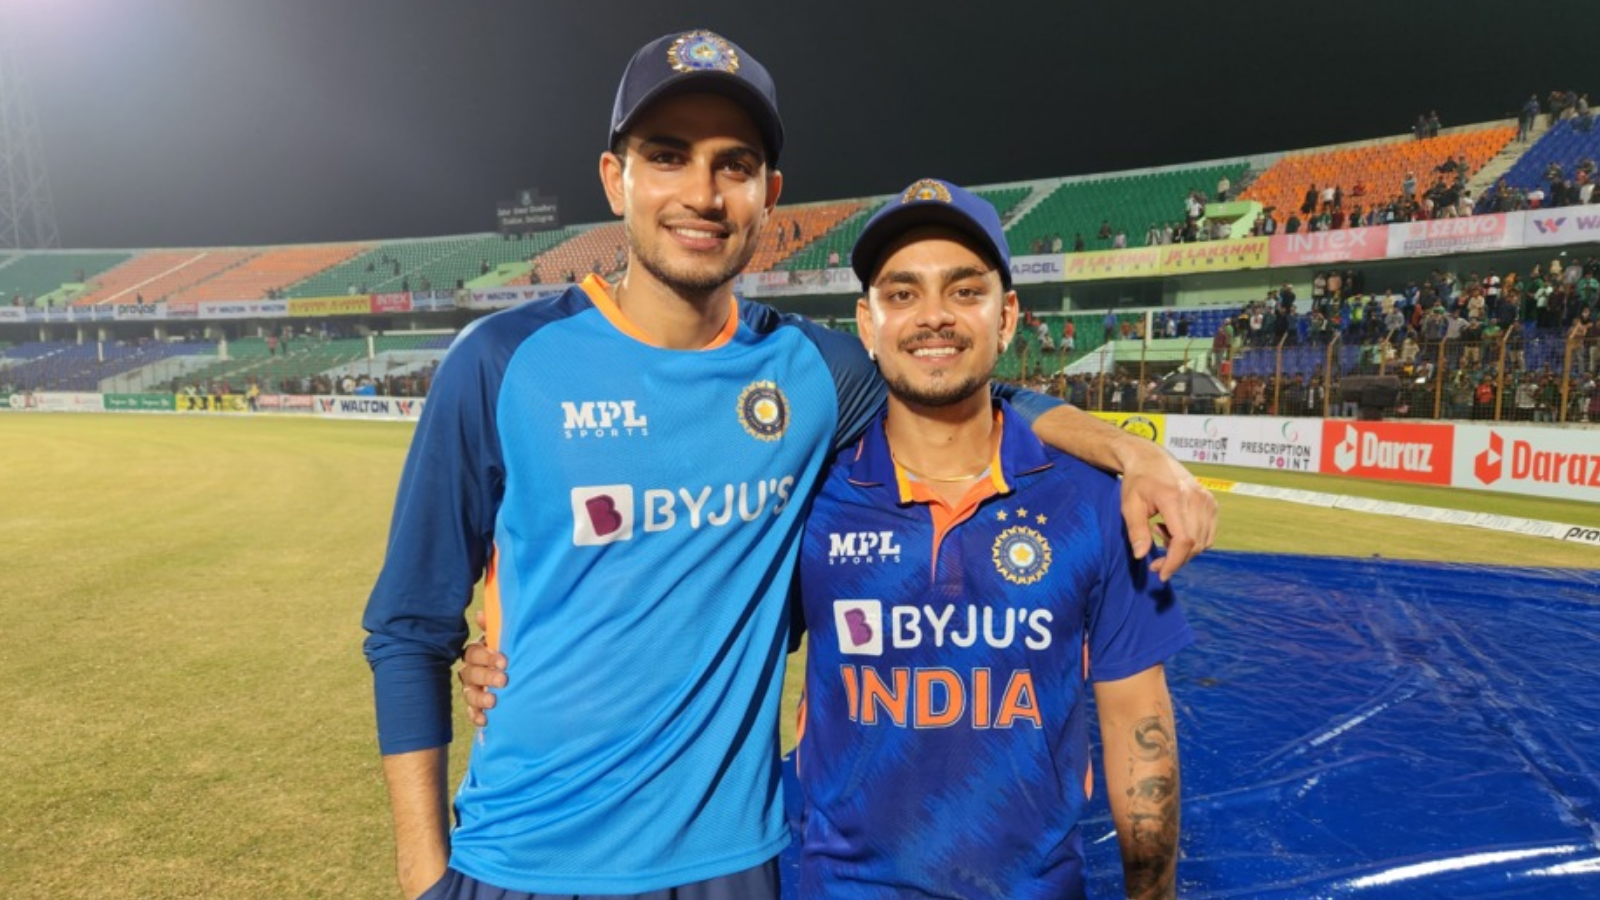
626 466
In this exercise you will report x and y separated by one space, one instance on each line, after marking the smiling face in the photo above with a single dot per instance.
691 183
936 316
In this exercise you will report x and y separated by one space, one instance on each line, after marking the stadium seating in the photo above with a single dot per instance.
402 341
842 237
340 278
158 274
1379 168
61 366
815 221
1131 203
1564 145
248 358
594 249
33 275
272 270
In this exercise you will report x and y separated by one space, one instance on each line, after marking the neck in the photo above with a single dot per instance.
943 442
672 317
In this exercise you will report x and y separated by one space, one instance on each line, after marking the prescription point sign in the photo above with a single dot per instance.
1258 442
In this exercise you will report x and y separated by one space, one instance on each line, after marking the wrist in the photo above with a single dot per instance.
1129 451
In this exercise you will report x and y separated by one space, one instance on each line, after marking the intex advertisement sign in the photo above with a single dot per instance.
1391 451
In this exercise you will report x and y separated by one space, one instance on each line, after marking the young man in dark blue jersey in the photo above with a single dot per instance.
961 583
626 467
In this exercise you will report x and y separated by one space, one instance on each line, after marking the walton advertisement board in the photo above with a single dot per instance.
1563 225
369 407
1542 462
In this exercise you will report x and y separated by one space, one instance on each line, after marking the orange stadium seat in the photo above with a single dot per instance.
598 249
159 274
1381 168
814 220
274 269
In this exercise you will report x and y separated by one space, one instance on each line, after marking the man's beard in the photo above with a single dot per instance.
941 393
700 282
937 396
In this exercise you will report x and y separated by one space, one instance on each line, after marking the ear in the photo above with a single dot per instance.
774 189
612 175
1008 318
864 325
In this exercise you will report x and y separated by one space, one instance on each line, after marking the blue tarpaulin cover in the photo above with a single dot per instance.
1378 729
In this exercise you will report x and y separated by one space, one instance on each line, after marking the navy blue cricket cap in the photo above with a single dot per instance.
698 61
931 201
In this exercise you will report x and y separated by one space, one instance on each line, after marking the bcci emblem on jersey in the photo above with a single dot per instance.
1021 555
763 411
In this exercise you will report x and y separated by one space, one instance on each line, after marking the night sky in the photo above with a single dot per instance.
221 122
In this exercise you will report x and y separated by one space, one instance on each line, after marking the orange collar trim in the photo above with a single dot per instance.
907 485
600 294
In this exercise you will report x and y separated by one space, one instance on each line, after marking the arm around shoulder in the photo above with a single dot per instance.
1153 484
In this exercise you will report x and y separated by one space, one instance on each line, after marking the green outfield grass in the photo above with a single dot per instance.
187 712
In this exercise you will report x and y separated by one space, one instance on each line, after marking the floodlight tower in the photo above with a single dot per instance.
27 216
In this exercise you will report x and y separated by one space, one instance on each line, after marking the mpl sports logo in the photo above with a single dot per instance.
862 547
607 513
1390 451
603 419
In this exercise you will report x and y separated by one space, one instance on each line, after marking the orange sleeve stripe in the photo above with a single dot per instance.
491 601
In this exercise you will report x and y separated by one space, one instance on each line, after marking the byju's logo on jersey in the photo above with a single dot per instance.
855 547
763 411
860 626
604 418
602 515
607 513
1021 555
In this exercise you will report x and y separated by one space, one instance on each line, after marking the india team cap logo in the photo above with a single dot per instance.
1021 555
926 190
764 411
698 61
932 201
702 51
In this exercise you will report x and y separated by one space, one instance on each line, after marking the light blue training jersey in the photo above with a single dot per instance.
636 512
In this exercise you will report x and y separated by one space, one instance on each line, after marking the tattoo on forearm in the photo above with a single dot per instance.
1151 851
1152 740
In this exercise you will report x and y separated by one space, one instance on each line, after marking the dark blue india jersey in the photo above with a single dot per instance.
636 512
945 748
